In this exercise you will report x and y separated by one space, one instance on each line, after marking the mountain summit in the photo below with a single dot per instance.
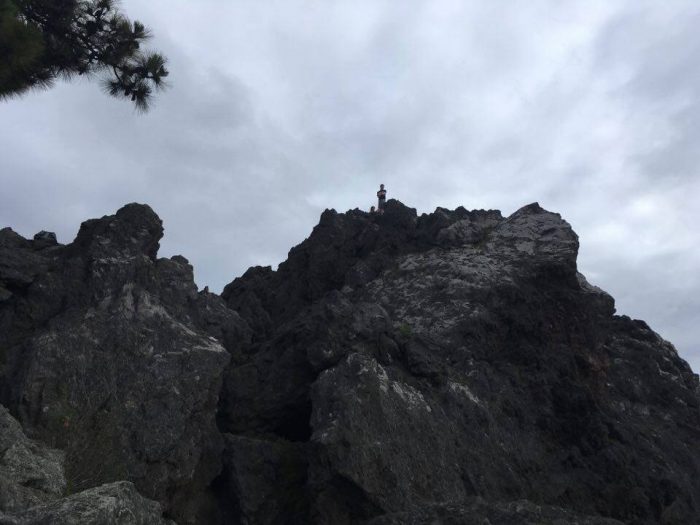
453 367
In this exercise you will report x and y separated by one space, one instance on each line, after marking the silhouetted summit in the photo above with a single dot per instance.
452 367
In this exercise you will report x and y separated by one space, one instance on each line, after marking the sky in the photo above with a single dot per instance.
279 110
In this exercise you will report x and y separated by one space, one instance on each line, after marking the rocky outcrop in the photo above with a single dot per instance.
452 367
460 355
111 504
30 473
107 353
33 488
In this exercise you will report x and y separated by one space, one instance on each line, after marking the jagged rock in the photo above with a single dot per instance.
448 228
265 481
365 462
110 504
30 473
340 242
271 392
19 265
33 486
44 238
107 355
448 368
480 512
485 366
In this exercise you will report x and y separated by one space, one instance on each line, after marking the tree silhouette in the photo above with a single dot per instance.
42 40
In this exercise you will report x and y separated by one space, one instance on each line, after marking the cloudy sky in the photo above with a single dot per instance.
278 110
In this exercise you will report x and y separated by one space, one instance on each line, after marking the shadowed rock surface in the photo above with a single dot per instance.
106 354
459 355
478 512
448 368
112 504
30 473
33 489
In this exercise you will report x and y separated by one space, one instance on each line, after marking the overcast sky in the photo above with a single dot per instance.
278 110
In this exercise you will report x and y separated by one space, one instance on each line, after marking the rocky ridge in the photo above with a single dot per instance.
452 367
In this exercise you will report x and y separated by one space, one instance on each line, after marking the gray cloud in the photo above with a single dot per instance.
278 110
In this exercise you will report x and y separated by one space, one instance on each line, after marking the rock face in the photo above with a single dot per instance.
111 504
30 473
106 354
33 487
459 355
476 511
448 368
265 481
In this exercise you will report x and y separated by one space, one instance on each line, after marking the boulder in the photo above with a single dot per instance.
110 504
30 472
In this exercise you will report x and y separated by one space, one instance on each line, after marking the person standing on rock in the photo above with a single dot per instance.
381 196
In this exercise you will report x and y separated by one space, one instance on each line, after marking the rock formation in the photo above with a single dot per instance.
448 368
30 473
32 486
106 355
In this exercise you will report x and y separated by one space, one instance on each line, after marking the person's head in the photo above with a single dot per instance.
372 209
381 186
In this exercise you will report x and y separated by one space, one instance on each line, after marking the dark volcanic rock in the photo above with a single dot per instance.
448 368
265 481
478 512
45 238
112 504
30 473
33 486
460 355
106 353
